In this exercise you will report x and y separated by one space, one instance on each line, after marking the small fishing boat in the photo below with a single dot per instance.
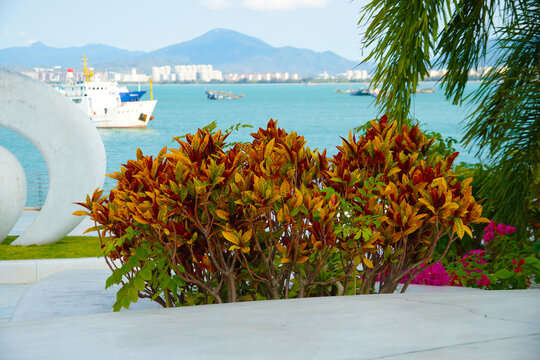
364 92
222 95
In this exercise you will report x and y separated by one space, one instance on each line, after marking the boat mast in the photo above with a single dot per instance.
87 73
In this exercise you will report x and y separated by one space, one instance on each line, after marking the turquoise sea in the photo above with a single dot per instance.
314 111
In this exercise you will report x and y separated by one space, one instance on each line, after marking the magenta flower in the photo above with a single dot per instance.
483 281
493 230
435 275
510 229
488 236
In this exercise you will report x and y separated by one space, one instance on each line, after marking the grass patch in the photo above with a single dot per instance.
67 247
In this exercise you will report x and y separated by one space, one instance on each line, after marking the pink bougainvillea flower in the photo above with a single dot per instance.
501 228
493 230
483 281
510 229
434 275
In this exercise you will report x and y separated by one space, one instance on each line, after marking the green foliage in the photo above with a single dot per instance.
443 146
67 247
288 218
211 129
512 271
403 34
506 123
272 219
414 201
463 42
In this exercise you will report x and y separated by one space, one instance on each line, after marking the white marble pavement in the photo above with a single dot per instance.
62 321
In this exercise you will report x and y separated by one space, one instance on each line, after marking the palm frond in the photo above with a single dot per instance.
463 43
403 33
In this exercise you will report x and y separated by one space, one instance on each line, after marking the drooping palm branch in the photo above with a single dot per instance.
506 123
505 127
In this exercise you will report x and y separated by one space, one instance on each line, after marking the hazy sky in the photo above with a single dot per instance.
148 25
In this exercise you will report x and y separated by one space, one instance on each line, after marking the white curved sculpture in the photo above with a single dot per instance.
12 191
69 143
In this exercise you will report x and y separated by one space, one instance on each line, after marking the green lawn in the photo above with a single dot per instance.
68 247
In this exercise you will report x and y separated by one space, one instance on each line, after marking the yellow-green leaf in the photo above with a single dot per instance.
458 228
222 214
237 177
280 215
247 236
467 230
230 236
285 188
245 249
269 148
368 262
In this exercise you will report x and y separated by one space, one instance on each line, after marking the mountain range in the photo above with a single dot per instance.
226 50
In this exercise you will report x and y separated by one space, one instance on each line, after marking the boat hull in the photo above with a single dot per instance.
135 114
102 102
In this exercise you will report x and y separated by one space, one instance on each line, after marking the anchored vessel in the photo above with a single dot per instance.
108 105
365 92
222 95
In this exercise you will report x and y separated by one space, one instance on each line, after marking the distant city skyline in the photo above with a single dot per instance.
318 25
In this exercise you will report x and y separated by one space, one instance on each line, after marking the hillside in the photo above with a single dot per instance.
41 55
227 50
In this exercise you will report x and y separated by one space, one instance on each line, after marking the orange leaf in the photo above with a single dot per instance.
81 213
140 219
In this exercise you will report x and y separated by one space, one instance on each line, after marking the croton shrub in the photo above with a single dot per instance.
272 219
416 195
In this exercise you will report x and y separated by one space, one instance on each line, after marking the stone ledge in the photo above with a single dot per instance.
446 324
30 271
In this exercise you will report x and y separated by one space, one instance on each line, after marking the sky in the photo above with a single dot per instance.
318 25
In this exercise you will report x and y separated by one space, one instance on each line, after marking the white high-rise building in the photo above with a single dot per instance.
156 74
185 73
134 77
356 75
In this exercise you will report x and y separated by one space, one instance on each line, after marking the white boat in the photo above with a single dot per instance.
108 105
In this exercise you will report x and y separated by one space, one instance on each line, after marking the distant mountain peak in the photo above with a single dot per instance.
222 30
227 50
232 36
38 44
